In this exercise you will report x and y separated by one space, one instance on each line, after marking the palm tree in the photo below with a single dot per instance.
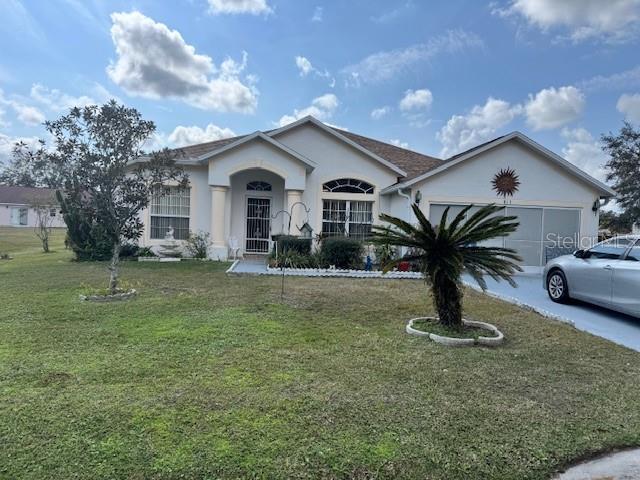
444 252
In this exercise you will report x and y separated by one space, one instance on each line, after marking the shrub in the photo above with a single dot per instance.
146 252
129 250
291 259
384 254
289 243
343 252
198 244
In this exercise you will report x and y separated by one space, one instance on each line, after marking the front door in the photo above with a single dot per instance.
258 225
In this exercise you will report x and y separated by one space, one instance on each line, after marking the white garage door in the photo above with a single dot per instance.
544 232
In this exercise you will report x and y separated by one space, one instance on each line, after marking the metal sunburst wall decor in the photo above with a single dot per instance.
506 182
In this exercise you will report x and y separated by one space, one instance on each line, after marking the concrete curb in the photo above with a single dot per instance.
232 267
519 303
118 297
460 342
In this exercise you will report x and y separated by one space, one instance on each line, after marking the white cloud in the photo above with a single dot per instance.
382 66
59 101
552 108
398 143
585 152
318 14
322 108
393 14
304 65
7 143
629 105
416 100
27 114
253 7
613 20
479 125
378 113
617 81
183 135
155 62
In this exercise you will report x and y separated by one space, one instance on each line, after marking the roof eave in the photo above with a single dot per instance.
603 189
309 164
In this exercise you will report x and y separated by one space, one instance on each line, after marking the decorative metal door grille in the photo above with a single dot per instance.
258 225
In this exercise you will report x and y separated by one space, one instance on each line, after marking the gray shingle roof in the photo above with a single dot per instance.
413 163
27 195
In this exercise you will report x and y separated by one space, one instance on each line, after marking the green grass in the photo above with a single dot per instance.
209 376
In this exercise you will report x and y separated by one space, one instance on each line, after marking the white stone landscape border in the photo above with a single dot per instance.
332 272
109 298
498 339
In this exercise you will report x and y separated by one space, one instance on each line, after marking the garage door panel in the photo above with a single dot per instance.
531 239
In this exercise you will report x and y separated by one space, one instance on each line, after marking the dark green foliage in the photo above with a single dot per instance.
198 244
294 244
343 252
446 250
385 253
129 250
293 259
624 168
617 224
146 252
85 236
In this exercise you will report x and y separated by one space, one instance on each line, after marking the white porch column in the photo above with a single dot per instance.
297 211
219 248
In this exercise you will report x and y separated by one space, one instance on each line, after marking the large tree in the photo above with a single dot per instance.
624 168
94 148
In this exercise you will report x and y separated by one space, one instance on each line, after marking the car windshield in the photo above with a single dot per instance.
612 249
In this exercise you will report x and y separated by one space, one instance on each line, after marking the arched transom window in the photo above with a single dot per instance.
347 185
259 186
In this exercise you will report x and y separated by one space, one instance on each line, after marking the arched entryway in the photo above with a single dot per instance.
257 195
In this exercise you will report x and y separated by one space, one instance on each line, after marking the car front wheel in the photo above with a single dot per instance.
557 287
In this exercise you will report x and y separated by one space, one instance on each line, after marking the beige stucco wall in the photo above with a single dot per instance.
543 183
335 159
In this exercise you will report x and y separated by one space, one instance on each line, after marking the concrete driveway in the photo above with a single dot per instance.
618 328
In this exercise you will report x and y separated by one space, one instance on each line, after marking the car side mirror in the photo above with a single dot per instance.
580 254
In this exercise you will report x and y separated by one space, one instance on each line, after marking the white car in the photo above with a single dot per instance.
607 274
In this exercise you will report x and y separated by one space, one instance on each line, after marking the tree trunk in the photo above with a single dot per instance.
447 300
45 244
113 269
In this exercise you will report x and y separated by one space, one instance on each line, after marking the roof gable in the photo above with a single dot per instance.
340 135
605 190
257 136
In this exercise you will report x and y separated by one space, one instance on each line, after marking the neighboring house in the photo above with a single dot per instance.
16 206
240 186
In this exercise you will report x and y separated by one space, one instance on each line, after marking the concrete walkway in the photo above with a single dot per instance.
253 265
617 327
616 466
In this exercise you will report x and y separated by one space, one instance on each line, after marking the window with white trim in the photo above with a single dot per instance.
348 185
170 208
350 218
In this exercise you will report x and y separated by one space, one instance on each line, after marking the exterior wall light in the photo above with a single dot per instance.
418 197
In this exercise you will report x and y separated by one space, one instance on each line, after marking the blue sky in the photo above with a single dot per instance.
437 76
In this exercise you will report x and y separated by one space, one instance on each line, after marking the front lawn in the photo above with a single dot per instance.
209 376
